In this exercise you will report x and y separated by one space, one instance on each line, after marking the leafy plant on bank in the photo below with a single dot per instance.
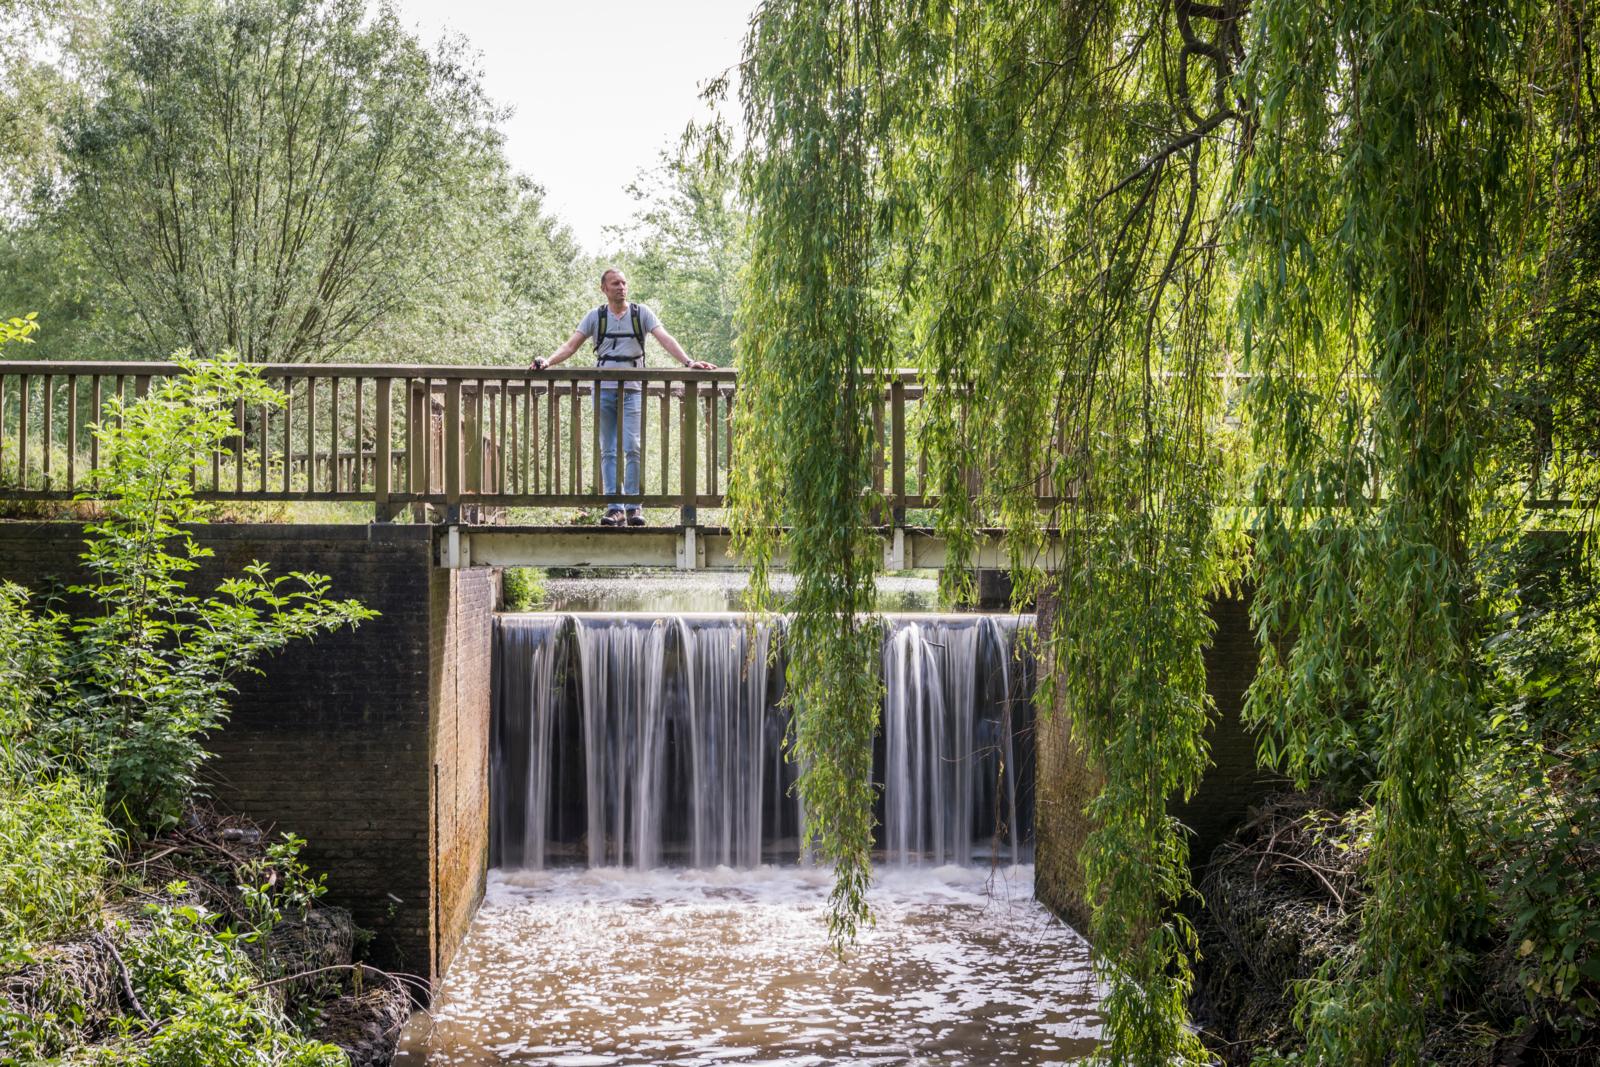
151 667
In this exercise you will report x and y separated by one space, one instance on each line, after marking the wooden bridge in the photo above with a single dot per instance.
458 446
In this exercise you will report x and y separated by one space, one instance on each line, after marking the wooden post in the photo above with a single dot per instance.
473 453
266 444
452 447
96 406
238 446
360 480
72 431
24 388
666 436
311 435
688 426
594 435
382 446
333 433
897 451
46 429
575 436
288 434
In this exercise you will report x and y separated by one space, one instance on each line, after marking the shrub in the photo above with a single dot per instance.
153 664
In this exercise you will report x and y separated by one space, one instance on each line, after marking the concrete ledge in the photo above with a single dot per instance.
685 548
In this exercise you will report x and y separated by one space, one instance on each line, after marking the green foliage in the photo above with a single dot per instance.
14 329
686 248
814 340
153 664
206 1002
53 837
1017 201
287 180
279 880
522 588
1534 798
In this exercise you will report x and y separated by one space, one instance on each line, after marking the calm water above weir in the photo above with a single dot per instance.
649 904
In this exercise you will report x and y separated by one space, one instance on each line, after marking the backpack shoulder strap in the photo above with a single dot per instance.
638 326
599 328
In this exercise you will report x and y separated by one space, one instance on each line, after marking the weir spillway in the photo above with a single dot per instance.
646 740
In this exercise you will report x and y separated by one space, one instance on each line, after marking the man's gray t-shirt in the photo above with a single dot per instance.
620 348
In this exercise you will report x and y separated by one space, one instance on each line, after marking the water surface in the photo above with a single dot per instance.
581 967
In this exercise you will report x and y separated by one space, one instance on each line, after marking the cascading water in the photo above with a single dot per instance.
677 725
641 801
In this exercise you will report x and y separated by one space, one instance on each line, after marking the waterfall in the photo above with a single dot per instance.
642 740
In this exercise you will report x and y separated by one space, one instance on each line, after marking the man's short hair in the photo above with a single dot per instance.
608 270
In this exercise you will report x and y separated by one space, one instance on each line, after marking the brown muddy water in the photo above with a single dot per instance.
603 966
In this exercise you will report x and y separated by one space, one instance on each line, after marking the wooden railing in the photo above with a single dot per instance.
460 439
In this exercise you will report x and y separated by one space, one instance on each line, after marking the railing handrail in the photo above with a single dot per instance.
437 372
451 436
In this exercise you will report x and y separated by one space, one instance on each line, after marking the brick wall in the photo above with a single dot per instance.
1066 781
373 743
463 609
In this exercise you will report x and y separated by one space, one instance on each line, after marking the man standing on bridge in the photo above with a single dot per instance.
619 329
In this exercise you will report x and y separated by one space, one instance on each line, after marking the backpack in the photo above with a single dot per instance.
600 336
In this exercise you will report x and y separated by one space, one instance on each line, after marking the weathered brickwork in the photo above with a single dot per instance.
1066 781
463 607
372 744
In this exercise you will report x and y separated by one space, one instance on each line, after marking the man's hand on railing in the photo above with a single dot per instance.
700 364
539 363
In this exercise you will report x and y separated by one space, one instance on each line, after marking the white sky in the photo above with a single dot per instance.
565 67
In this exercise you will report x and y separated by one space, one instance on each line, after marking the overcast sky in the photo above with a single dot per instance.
634 66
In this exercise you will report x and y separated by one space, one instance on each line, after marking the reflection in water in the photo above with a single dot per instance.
620 966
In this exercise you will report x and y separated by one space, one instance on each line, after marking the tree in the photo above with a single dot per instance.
273 176
686 247
1036 201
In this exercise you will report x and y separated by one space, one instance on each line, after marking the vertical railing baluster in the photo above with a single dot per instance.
451 460
505 438
72 432
46 425
265 436
897 452
24 389
311 434
239 445
576 437
594 438
727 415
688 427
644 436
553 461
381 447
713 440
666 437
2 425
96 406
358 481
530 455
288 435
416 446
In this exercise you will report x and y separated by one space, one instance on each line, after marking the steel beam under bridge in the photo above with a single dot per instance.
685 548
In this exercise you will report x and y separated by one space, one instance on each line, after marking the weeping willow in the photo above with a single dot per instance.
1383 245
1086 224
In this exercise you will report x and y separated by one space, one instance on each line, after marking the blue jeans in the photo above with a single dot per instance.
630 444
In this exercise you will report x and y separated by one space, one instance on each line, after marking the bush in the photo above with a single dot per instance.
522 588
152 667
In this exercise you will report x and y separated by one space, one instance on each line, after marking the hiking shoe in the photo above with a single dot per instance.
636 517
611 518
